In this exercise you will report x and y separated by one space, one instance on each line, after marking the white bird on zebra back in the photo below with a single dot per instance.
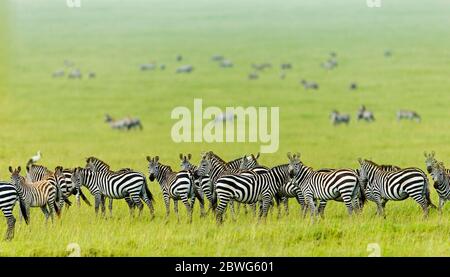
34 159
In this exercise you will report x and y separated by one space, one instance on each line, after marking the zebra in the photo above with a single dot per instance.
406 114
365 114
38 173
185 69
353 86
8 198
253 76
92 75
75 74
337 184
217 58
58 73
213 166
330 64
118 185
250 188
96 164
441 179
147 66
285 66
261 66
123 124
226 63
179 58
174 185
309 85
382 186
186 165
337 118
44 194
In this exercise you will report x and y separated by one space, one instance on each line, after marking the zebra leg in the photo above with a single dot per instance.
167 204
380 207
312 206
265 205
102 202
77 197
303 206
175 208
11 222
232 212
253 207
51 207
130 204
422 201
149 204
110 206
286 205
223 202
98 200
188 207
441 205
45 212
321 209
279 207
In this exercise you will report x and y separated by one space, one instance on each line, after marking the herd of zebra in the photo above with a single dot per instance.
222 183
363 113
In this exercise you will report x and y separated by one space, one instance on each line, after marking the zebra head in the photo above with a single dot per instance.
204 167
108 118
153 167
294 164
430 160
59 175
249 162
77 177
96 164
186 162
364 169
438 172
16 179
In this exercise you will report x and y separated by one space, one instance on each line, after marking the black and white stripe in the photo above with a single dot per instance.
8 198
382 186
118 185
174 185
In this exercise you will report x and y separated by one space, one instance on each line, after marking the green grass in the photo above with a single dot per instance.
64 118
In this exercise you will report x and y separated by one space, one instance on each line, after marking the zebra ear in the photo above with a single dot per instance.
18 169
360 161
148 158
189 156
298 155
156 159
432 154
181 156
257 155
10 169
425 154
289 156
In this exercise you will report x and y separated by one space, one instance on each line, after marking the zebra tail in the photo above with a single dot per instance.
147 191
84 197
23 210
57 200
67 201
427 194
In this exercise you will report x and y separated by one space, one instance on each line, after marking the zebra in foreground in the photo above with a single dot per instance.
199 182
441 178
44 194
337 118
118 185
382 186
96 164
174 185
38 173
406 114
8 198
331 184
250 188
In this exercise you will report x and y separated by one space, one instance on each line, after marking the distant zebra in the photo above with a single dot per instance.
261 66
217 58
118 185
365 114
74 74
96 164
286 66
410 115
8 198
58 73
179 58
353 86
185 69
330 64
174 185
382 186
226 63
309 85
44 194
441 178
147 66
253 76
337 118
338 185
250 189
123 124
92 75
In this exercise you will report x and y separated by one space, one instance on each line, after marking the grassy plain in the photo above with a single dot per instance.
64 118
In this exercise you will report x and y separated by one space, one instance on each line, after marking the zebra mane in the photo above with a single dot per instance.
96 160
372 163
210 154
166 167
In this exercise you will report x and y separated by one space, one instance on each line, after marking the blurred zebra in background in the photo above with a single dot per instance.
337 118
409 115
